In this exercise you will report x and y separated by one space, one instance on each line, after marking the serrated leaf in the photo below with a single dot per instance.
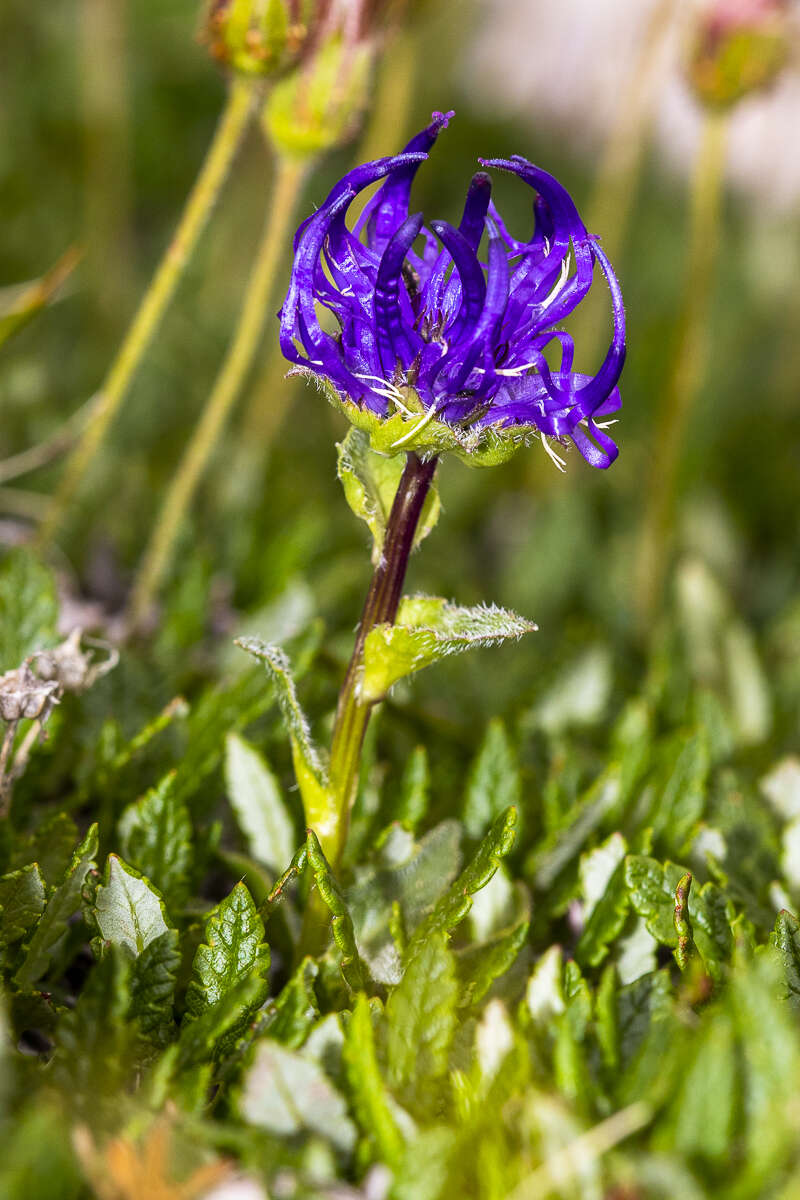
219 1026
428 629
289 1094
494 780
295 1011
50 845
255 797
152 988
234 950
156 838
457 901
479 966
22 901
310 772
127 910
95 1038
367 1089
785 939
29 606
682 802
342 923
64 902
651 887
421 1012
412 877
370 481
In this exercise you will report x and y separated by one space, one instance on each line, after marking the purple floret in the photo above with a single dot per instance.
466 331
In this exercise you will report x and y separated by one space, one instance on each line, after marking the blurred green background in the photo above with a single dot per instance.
107 109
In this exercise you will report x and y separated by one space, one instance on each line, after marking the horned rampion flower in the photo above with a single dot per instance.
441 342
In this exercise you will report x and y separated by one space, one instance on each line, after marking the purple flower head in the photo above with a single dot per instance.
441 342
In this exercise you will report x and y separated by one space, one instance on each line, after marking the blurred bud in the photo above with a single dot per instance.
739 46
319 106
259 37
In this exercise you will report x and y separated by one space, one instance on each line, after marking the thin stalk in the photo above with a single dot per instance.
226 389
199 205
380 606
688 366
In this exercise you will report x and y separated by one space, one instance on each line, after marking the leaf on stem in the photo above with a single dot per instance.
429 628
343 931
310 772
370 481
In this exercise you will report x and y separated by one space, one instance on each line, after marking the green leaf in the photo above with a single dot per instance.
494 780
705 1110
428 629
457 901
234 950
652 886
479 966
156 838
22 901
287 1094
295 1010
605 899
63 904
410 878
94 1041
785 939
261 812
414 789
219 1026
29 606
310 772
370 482
421 1012
682 801
50 845
152 987
343 931
127 910
367 1089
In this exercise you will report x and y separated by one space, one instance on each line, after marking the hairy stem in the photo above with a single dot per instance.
383 597
202 198
225 391
688 367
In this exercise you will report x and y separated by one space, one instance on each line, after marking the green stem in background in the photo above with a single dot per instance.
202 198
688 366
238 361
383 597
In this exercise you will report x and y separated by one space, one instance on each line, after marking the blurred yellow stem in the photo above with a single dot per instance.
198 208
688 367
228 384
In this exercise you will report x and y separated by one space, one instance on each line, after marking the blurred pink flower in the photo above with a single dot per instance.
573 63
